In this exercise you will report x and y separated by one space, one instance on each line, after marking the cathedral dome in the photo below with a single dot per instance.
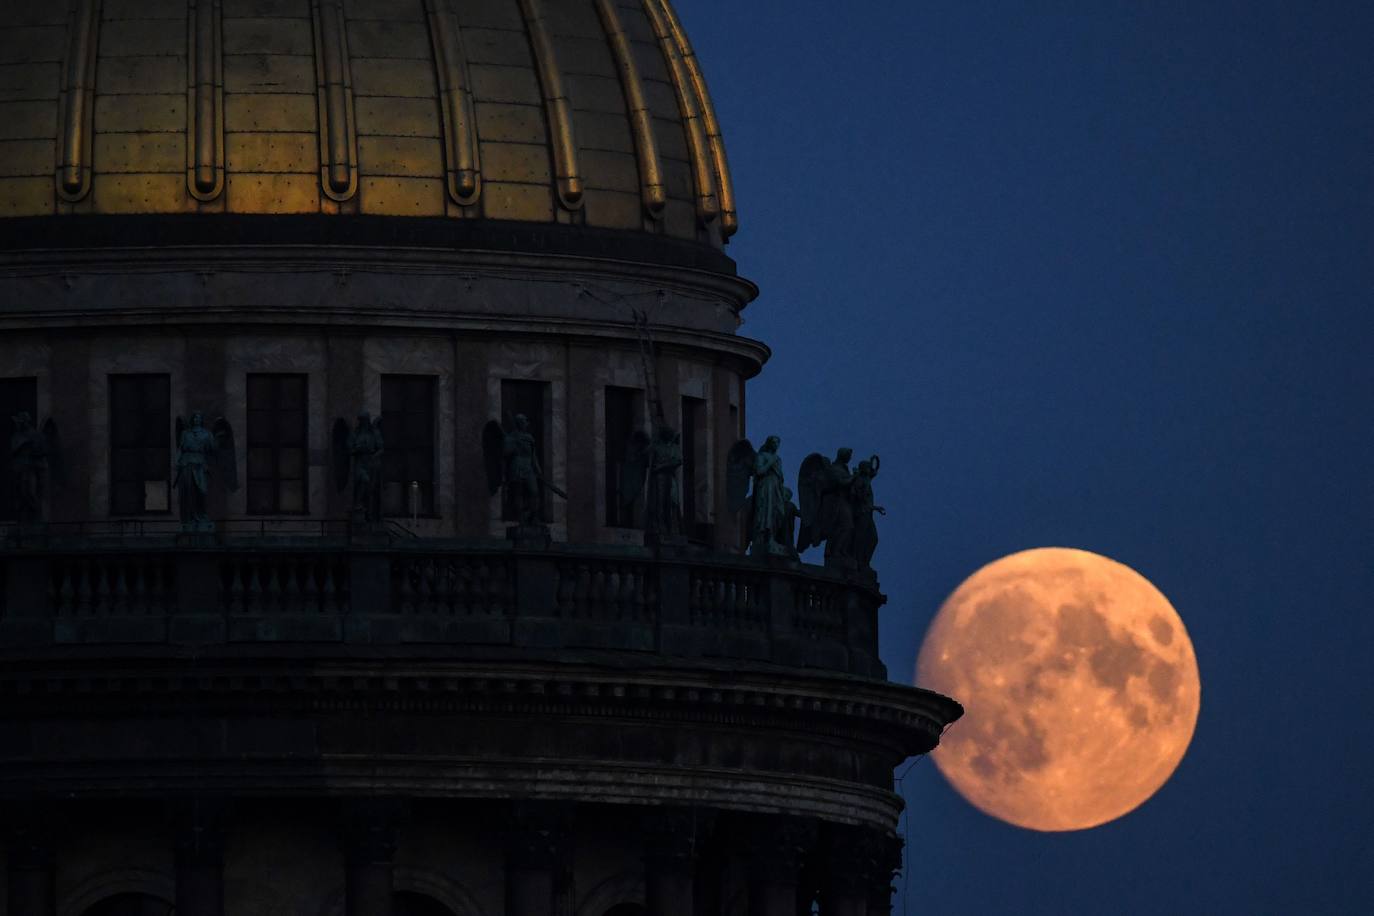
585 113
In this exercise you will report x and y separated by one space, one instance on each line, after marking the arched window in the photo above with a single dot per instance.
130 905
409 903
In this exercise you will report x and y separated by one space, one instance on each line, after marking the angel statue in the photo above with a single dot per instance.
34 457
827 513
766 500
358 460
656 461
861 497
198 449
512 460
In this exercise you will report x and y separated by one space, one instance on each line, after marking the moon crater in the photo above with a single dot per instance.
1080 687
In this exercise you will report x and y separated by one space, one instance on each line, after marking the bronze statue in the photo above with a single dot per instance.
358 460
198 449
827 511
33 460
656 460
861 496
512 461
756 479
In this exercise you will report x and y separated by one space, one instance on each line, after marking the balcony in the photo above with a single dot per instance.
316 588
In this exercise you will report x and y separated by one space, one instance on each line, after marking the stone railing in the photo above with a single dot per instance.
433 595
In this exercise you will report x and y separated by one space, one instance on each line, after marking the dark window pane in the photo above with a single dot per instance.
141 443
408 430
276 439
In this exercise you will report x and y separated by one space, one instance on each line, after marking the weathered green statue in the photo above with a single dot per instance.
512 461
827 510
861 497
33 459
755 479
200 452
656 461
358 460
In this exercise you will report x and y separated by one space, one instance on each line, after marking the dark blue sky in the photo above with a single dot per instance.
1094 275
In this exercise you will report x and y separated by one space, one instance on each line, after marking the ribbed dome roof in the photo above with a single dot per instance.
583 112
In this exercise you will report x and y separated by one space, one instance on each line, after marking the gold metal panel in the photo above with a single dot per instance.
140 153
403 196
251 193
680 219
144 9
725 186
419 157
587 55
27 158
648 172
637 24
598 130
205 100
613 172
390 10
394 77
497 46
263 35
27 196
77 104
677 178
141 75
519 162
276 9
374 38
32 44
30 82
139 38
614 209
491 83
396 117
141 193
268 73
662 98
462 160
510 123
28 120
269 112
272 152
575 20
596 93
672 139
567 173
35 12
529 202
142 112
652 66
334 87
489 14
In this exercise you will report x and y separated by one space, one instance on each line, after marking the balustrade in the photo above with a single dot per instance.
438 592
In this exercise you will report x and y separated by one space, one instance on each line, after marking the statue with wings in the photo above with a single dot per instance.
827 512
861 495
754 480
656 462
512 461
34 460
357 457
198 451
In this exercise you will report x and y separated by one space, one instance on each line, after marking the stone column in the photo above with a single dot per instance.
32 865
32 877
371 848
670 848
852 859
777 845
887 864
200 860
532 853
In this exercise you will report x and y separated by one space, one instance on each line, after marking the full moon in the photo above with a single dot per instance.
1079 683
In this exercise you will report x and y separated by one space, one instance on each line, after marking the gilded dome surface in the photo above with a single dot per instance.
580 112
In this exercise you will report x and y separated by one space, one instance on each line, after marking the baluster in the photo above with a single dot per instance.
66 594
405 592
119 593
464 601
252 586
83 587
287 572
567 583
328 590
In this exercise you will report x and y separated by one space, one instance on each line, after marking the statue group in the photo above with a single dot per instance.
836 504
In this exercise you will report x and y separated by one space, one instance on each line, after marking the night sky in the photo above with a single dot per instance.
1093 275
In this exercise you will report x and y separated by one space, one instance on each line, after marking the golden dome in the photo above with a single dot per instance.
582 112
